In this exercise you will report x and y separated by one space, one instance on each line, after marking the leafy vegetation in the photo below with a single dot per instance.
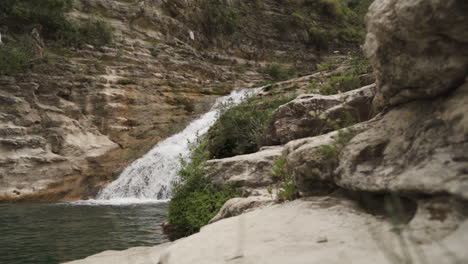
330 152
195 199
279 73
21 16
342 81
287 190
17 14
93 31
236 130
14 58
326 23
219 17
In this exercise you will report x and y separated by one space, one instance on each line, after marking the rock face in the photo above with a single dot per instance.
419 147
237 206
74 122
418 48
314 170
316 230
251 171
314 114
416 149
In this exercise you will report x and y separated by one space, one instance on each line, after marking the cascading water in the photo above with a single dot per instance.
151 176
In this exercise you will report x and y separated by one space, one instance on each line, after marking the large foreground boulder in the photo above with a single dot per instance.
418 48
317 230
419 147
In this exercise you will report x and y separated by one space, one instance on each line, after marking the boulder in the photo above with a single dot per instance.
314 114
249 171
237 206
420 147
417 48
313 171
313 230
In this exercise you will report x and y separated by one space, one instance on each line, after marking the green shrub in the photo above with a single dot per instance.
324 24
360 65
328 65
330 152
12 60
331 8
236 130
219 17
95 32
280 73
319 38
48 13
195 199
287 190
16 56
21 15
342 82
92 31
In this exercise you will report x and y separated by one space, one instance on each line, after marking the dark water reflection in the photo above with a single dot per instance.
55 233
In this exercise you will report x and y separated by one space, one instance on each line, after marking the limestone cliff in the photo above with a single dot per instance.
78 117
387 186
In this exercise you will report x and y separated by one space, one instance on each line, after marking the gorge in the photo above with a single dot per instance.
156 143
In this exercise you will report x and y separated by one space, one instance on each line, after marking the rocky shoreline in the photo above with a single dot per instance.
397 190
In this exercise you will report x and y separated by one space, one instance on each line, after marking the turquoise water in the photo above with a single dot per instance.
55 233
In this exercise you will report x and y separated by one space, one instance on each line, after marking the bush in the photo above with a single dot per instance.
319 38
280 73
49 13
340 83
219 17
16 56
330 152
21 15
93 31
287 189
12 60
324 24
331 8
236 130
195 199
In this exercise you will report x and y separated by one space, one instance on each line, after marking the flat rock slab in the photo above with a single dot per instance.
251 170
292 233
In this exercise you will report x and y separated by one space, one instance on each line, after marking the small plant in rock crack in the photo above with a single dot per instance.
330 152
287 189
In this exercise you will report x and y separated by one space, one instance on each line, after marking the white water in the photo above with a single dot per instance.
150 177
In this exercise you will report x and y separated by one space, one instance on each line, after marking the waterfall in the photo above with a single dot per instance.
151 176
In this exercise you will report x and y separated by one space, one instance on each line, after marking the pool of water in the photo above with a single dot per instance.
55 233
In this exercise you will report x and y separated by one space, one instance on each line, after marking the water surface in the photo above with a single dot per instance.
55 233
